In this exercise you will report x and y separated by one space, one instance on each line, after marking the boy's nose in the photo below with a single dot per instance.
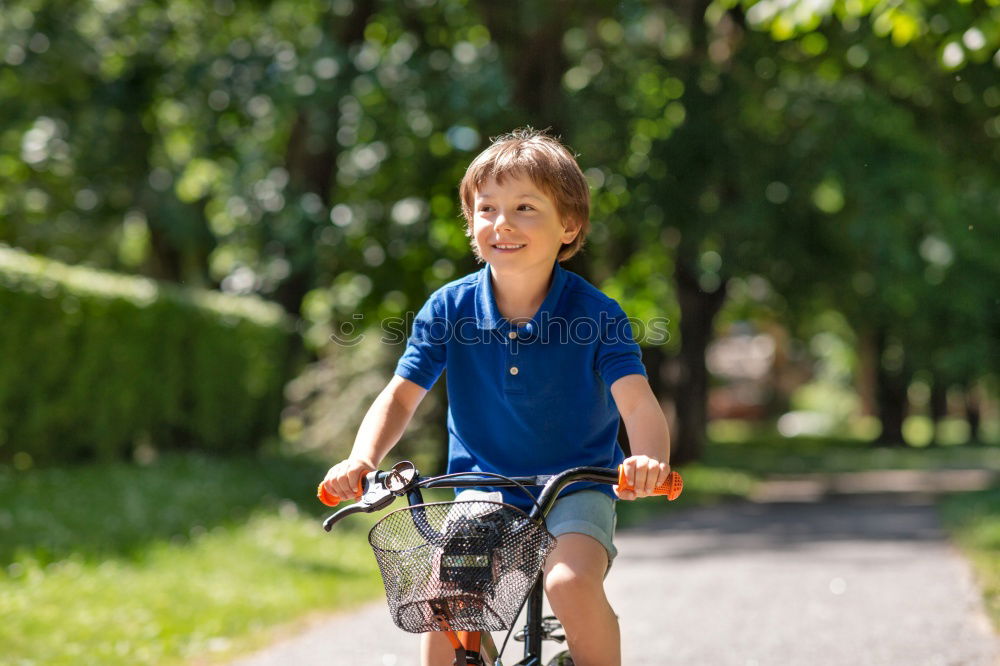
501 222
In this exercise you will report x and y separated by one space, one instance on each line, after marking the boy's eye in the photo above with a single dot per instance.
525 207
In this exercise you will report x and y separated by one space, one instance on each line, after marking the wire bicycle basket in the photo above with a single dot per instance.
460 566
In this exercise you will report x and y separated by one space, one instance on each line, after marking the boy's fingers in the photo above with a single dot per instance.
630 467
664 473
330 482
355 483
641 478
656 477
649 472
643 474
345 484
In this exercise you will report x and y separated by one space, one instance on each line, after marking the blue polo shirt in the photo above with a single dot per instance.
534 399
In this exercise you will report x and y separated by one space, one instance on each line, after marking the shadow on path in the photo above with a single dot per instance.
786 526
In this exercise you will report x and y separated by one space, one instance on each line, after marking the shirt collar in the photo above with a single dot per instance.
488 315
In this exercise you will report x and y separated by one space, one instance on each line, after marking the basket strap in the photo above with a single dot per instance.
442 621
472 644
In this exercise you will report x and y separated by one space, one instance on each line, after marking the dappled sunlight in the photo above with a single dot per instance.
218 220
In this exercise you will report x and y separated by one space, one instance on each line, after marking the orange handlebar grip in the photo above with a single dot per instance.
671 488
331 500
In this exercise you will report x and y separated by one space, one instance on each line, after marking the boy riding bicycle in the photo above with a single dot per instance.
540 366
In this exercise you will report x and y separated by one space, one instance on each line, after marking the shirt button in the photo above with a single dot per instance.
513 370
512 335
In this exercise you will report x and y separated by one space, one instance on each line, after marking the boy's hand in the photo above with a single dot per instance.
344 478
643 474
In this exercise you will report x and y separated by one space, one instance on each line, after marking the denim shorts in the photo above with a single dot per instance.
589 512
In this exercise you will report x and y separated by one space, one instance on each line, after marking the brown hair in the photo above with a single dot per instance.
548 164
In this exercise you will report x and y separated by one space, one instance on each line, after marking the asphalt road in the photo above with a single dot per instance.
860 580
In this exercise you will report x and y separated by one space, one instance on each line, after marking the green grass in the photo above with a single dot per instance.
188 557
974 520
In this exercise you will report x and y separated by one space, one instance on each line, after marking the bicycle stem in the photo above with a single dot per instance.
555 485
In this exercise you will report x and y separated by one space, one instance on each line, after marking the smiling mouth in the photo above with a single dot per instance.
507 246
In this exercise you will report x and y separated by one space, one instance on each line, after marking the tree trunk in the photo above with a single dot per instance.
653 358
973 414
314 170
866 377
533 57
165 261
890 394
937 408
698 311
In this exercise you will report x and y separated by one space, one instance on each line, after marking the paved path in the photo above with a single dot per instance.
853 581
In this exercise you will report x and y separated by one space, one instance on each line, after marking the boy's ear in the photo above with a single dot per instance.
571 229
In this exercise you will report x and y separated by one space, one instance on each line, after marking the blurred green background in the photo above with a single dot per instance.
211 212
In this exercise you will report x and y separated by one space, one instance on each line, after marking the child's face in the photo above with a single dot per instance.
516 226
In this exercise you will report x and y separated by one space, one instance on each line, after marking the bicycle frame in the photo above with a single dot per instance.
480 647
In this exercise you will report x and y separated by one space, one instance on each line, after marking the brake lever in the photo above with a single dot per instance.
376 496
340 515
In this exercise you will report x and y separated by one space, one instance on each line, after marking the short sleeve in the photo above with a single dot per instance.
618 354
423 360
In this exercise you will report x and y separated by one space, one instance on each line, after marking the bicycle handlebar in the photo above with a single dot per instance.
378 489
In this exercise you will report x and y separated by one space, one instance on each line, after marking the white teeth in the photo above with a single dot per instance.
508 247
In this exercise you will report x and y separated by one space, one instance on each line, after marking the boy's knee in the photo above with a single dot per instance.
574 573
559 583
565 584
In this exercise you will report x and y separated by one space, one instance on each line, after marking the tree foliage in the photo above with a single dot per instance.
838 155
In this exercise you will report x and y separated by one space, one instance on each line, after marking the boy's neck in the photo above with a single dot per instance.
519 295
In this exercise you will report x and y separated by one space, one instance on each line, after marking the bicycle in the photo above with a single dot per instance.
469 567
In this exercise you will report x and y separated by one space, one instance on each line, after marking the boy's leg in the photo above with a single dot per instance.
436 650
574 583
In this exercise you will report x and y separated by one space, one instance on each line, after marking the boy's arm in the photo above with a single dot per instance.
380 430
648 435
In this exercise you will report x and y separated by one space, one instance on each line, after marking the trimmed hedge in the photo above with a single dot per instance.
94 364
